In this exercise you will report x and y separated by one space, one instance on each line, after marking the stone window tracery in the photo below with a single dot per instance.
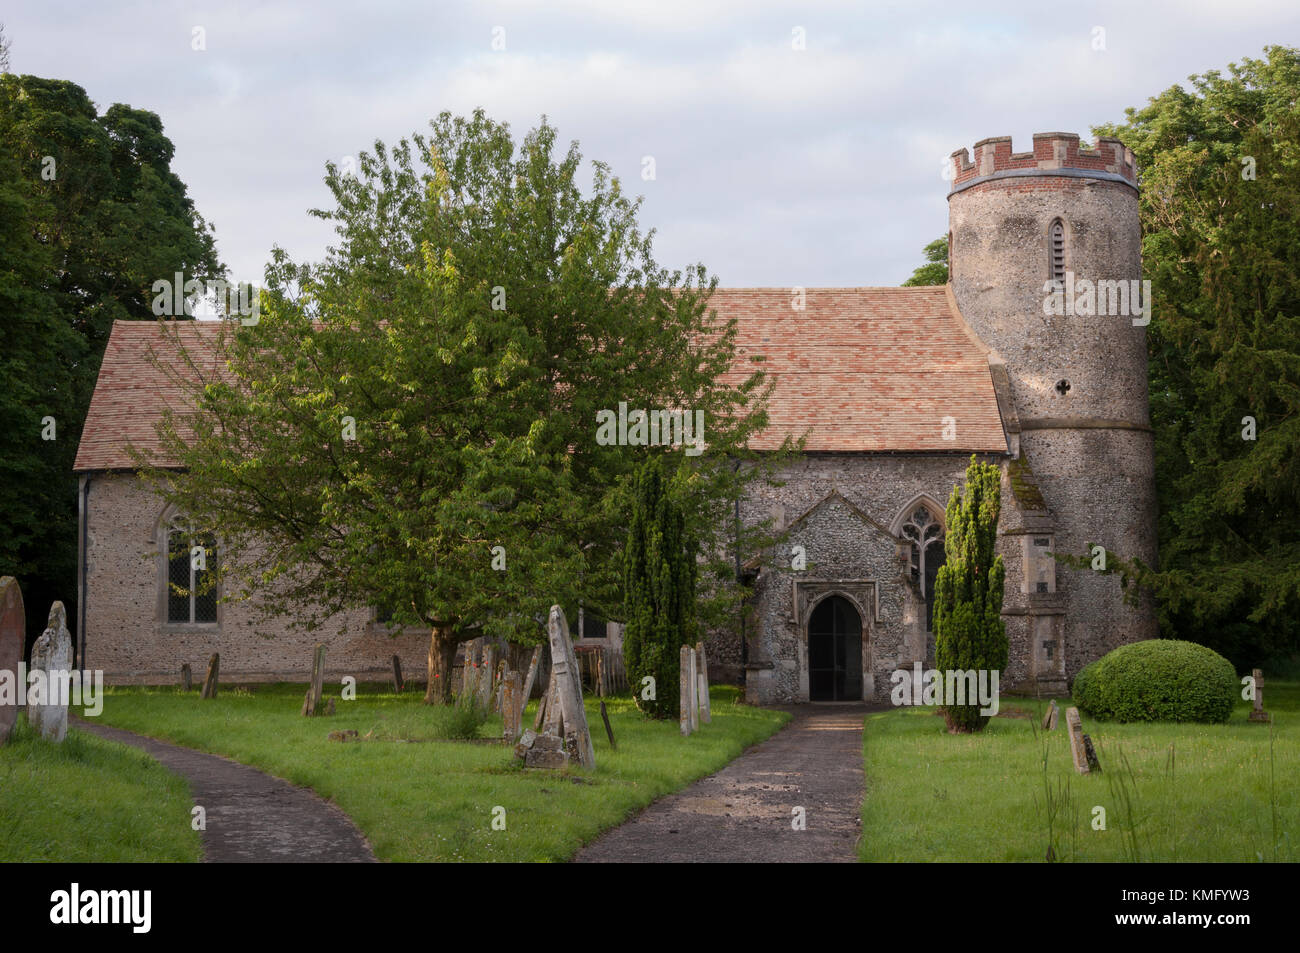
924 531
190 580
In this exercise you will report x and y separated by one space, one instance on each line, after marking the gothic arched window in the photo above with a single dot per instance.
191 575
1056 241
924 531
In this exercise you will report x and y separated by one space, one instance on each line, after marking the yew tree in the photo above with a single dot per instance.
411 423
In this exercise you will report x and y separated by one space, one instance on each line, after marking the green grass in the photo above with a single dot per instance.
1171 792
433 800
89 800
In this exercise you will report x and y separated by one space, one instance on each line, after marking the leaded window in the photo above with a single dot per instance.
1057 236
925 533
191 575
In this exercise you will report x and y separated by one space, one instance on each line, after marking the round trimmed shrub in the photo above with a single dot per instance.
1158 680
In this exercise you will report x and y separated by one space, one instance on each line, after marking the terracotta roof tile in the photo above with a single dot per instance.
860 369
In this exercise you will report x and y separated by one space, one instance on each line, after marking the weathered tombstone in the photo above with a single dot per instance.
604 716
1077 748
311 703
52 655
398 684
1257 713
524 743
467 677
706 714
695 692
499 686
1049 716
512 706
485 673
1094 765
541 709
684 695
13 638
546 751
554 721
568 688
532 675
187 677
209 689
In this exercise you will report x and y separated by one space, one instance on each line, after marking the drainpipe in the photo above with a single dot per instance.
83 505
744 643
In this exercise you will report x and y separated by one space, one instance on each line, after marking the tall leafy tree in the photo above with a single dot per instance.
1220 207
935 269
968 629
90 216
660 578
413 422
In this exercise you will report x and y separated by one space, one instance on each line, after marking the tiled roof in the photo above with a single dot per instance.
859 369
868 369
131 393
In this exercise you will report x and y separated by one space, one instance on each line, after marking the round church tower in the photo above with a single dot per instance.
1045 263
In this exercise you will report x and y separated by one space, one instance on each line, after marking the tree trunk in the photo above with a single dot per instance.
442 659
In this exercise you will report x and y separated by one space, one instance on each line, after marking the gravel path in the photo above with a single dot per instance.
253 817
744 813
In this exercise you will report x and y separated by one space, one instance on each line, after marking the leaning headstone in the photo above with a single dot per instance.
684 693
13 638
1090 753
1078 750
210 681
52 654
702 680
568 688
1258 713
512 707
311 703
1049 716
187 677
398 684
532 674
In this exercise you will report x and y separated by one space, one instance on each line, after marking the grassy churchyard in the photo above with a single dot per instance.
89 800
1171 792
420 797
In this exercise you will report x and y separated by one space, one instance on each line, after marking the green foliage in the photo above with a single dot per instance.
480 309
968 629
1222 249
660 578
1158 680
935 271
90 216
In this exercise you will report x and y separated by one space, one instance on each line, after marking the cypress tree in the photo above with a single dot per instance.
660 574
968 628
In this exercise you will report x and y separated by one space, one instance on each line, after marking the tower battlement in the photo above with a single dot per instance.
1052 152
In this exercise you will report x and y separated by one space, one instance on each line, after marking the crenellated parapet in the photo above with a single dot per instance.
1053 153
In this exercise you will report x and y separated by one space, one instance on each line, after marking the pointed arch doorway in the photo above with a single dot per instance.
834 651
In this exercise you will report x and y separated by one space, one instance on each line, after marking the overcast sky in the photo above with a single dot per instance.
773 166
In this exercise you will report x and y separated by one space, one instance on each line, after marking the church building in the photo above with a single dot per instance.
1032 357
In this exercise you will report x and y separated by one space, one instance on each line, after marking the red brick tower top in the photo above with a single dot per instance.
1054 153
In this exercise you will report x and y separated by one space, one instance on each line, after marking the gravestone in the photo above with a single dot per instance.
1257 713
1078 750
706 713
13 638
532 675
499 686
398 684
468 674
1090 754
553 724
52 654
604 716
311 703
1049 716
187 677
546 751
686 679
485 672
210 680
512 706
694 686
568 687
